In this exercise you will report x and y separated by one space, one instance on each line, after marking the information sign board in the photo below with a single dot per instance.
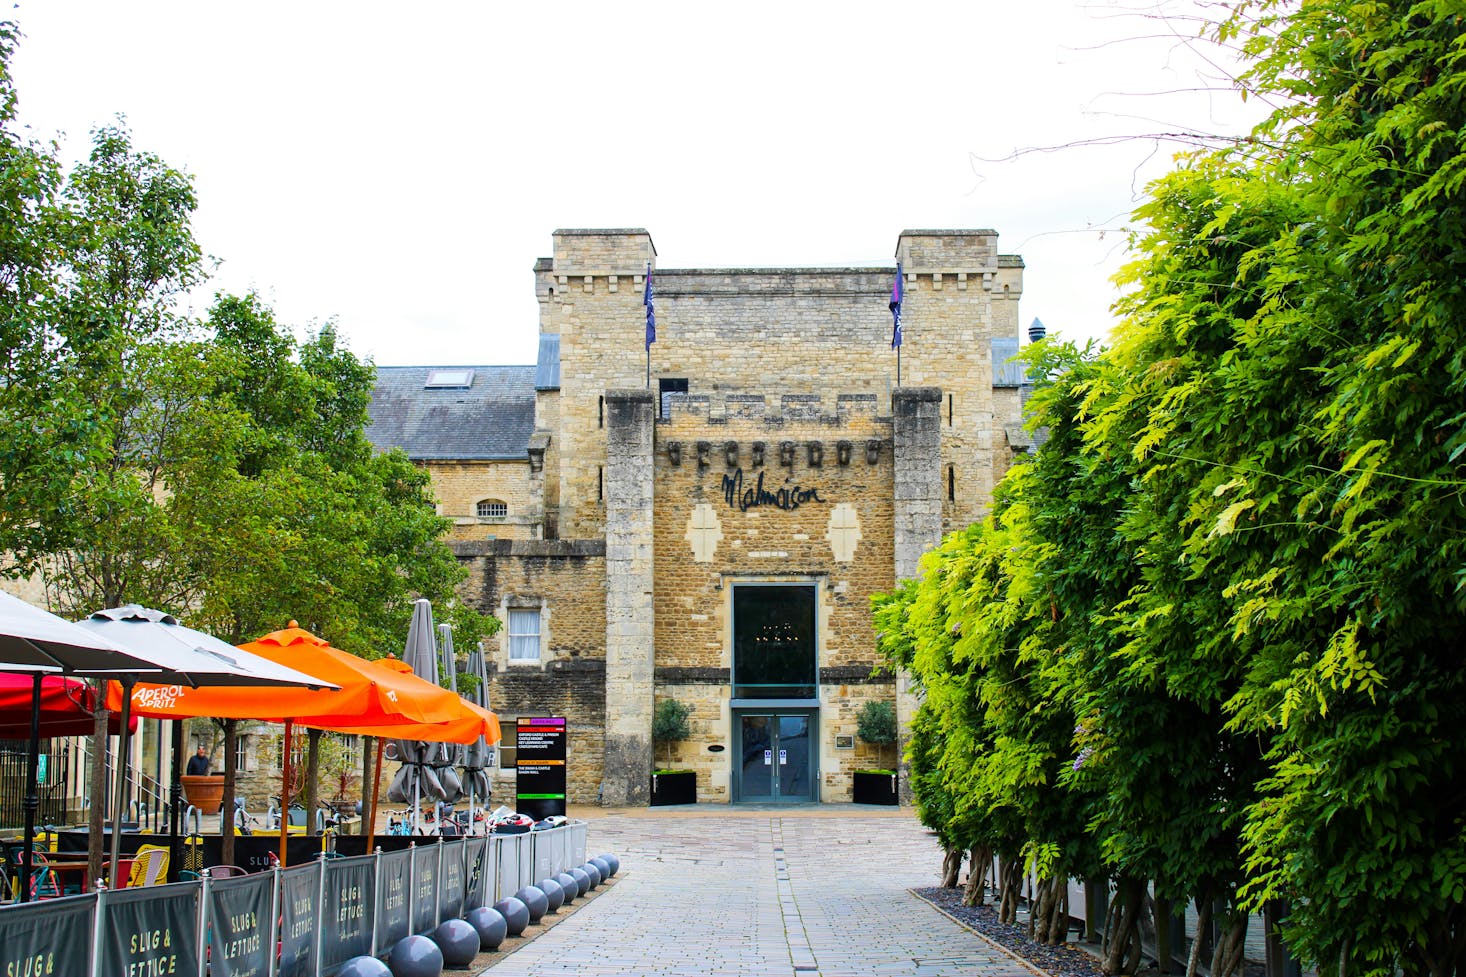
540 766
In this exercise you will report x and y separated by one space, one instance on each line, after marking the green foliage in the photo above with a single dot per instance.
216 469
1238 565
670 725
876 722
669 721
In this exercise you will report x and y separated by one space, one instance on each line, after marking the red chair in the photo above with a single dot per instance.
44 884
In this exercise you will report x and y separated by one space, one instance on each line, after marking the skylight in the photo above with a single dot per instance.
448 379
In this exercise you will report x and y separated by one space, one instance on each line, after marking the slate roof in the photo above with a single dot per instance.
1006 374
547 373
490 420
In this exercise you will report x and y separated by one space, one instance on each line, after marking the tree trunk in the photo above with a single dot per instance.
1203 923
1226 958
97 788
1049 919
226 813
979 863
1123 954
368 764
951 867
311 787
1010 874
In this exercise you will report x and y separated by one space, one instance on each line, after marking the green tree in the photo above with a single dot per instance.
669 724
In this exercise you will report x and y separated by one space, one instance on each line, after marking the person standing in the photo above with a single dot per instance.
198 764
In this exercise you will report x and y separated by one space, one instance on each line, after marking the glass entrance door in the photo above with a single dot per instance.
777 757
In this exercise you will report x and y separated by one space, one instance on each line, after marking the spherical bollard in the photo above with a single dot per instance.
535 901
458 941
491 926
364 967
568 883
582 881
612 861
591 869
554 892
415 956
515 913
602 866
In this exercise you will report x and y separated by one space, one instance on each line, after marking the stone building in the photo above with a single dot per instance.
708 522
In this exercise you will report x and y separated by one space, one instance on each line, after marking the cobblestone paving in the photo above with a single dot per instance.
769 894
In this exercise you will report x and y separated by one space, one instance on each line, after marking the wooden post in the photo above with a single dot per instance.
226 812
285 795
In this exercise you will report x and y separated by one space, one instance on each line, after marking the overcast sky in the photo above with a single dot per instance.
399 167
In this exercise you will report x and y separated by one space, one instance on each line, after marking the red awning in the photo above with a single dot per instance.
66 705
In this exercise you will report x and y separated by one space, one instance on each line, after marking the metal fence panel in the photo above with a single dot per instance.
394 916
299 888
151 931
53 937
578 830
425 888
526 861
452 884
479 886
507 882
241 913
346 911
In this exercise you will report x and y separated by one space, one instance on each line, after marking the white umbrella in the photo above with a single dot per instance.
38 642
179 655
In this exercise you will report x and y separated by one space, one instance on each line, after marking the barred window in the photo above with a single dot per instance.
492 509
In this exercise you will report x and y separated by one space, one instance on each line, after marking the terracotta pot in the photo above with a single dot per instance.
205 792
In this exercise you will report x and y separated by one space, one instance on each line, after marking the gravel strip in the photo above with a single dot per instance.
1060 961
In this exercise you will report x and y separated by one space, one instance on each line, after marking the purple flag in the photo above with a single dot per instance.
649 300
896 309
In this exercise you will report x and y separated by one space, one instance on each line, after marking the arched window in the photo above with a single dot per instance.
492 509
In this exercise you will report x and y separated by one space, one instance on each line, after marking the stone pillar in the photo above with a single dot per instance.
630 420
916 421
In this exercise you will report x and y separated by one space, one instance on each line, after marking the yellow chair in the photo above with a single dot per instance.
149 867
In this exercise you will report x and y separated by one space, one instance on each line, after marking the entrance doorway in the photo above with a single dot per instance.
775 700
776 755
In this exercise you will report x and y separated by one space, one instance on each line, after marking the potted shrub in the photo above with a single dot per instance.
669 727
876 725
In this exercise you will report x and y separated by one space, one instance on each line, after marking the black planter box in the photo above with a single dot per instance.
875 788
674 788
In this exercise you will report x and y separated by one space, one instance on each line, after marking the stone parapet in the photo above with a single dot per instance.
774 411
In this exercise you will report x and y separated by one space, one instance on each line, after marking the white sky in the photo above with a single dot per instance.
399 167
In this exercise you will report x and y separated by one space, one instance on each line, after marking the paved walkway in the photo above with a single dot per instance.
816 893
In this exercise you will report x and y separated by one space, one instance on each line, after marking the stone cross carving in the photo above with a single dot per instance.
704 532
844 532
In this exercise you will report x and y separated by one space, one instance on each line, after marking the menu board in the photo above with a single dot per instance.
539 766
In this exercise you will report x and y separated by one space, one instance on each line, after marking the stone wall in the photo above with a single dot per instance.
786 330
460 485
724 466
567 580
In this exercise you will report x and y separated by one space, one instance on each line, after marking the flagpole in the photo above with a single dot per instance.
648 301
895 306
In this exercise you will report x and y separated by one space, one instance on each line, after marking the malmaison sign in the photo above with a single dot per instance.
744 497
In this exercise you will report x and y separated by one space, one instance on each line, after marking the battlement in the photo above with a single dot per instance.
700 410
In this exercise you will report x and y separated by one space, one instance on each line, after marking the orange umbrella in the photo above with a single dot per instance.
475 722
373 694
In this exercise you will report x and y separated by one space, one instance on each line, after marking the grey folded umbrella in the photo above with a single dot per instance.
426 771
478 756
